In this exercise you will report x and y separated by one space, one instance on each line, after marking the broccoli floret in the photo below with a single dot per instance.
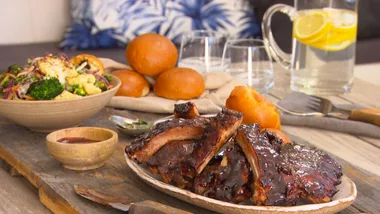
102 85
46 89
79 90
109 78
71 89
14 69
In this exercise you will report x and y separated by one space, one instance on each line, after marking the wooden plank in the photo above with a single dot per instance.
55 184
28 154
12 171
373 141
52 200
364 93
17 197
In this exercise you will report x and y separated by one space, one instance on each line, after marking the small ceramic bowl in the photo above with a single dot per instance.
82 156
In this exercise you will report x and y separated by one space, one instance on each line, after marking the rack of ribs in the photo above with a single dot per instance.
175 129
270 186
180 160
167 162
226 177
217 133
283 173
315 172
219 158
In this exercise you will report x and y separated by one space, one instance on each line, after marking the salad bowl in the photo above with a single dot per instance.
51 115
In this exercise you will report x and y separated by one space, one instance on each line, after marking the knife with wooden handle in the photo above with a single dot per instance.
143 207
366 115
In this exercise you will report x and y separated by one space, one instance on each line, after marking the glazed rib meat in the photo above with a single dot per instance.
167 162
148 144
228 178
219 158
270 186
315 173
185 110
217 133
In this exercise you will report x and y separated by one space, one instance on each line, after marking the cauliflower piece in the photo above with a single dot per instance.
65 95
91 89
81 79
58 67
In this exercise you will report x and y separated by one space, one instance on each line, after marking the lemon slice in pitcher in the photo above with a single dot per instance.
333 47
326 29
311 26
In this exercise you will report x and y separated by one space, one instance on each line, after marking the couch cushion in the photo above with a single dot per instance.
112 23
366 53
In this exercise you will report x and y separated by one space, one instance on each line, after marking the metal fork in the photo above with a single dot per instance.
312 114
327 108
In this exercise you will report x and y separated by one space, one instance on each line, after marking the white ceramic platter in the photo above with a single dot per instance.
343 199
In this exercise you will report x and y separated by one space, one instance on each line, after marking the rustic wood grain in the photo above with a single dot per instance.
26 152
12 171
18 196
373 141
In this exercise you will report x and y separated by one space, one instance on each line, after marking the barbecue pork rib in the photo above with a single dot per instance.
253 165
315 173
167 162
216 134
226 178
186 110
270 186
148 144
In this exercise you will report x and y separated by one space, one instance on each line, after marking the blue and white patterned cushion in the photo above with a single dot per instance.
113 23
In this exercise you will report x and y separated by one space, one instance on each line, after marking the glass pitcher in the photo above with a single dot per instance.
324 40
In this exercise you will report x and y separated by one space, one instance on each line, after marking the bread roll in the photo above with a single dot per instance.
179 84
133 84
151 54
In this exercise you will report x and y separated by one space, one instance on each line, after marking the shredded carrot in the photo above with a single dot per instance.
15 88
27 97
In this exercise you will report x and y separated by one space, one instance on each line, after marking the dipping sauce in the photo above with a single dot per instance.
76 140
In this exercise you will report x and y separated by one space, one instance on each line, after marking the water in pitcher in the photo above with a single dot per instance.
324 55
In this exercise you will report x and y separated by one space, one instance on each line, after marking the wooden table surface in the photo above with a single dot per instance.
359 154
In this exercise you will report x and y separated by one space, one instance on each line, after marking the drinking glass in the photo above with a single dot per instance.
324 39
202 50
248 61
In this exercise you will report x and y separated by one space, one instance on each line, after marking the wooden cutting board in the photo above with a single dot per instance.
26 152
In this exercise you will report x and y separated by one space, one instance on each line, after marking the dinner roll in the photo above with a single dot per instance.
179 84
133 84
